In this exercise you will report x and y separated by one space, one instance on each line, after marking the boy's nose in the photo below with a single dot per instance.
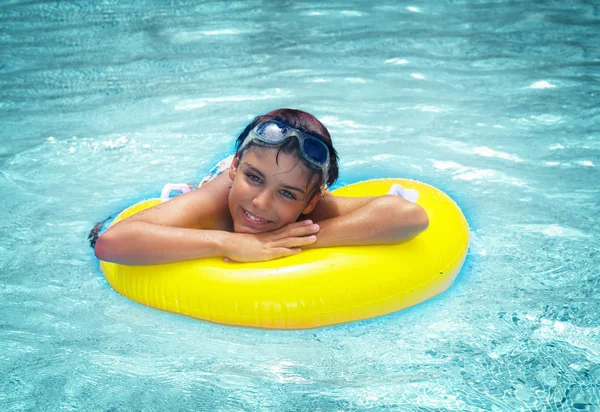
262 202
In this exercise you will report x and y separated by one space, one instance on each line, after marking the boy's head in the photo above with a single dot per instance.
305 123
278 176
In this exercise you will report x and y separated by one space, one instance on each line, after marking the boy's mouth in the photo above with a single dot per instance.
253 218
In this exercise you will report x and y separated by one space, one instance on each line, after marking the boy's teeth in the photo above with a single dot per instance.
252 217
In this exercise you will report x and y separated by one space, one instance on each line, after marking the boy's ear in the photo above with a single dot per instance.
310 206
234 166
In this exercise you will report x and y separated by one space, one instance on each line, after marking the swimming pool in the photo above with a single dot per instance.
496 103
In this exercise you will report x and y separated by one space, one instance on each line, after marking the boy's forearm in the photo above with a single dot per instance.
142 243
385 220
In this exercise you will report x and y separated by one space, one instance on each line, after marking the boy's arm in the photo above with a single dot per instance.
192 226
366 220
142 243
170 231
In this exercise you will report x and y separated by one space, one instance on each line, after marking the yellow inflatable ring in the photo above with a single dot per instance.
315 288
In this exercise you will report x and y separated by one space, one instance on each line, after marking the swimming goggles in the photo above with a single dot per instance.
273 133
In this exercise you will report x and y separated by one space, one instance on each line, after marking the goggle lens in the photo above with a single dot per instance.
272 132
315 150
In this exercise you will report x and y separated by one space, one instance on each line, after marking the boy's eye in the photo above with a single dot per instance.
288 194
254 178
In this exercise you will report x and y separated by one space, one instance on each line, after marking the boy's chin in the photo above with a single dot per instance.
251 230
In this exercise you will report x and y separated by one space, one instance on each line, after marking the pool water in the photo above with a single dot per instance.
495 102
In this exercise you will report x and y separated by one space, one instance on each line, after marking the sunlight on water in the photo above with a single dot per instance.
494 103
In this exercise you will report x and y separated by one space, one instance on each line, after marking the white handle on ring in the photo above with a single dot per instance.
166 192
409 194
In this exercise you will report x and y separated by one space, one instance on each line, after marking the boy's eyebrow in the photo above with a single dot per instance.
259 173
295 189
254 169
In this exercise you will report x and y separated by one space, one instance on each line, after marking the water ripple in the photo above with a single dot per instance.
494 102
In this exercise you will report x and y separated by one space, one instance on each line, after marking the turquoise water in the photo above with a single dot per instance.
497 103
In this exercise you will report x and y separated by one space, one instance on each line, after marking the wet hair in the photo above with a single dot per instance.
306 123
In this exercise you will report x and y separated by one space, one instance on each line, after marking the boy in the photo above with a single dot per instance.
283 164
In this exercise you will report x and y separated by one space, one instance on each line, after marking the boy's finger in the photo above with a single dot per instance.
292 242
285 251
294 225
302 223
304 230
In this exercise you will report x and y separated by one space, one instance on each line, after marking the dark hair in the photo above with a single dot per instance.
306 123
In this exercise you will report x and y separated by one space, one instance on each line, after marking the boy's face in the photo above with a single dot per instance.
267 194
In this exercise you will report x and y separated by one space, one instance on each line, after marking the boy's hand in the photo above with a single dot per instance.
284 241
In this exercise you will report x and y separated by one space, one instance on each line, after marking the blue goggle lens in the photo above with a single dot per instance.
315 150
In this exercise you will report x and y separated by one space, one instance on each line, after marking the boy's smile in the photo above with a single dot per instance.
269 190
